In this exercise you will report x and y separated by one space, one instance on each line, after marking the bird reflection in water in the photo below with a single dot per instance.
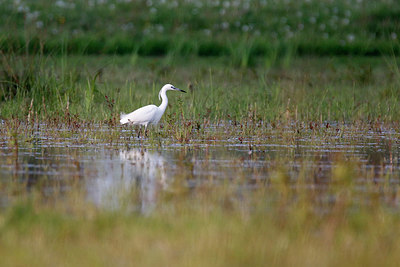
137 170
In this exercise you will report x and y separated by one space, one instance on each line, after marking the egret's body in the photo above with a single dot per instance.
150 114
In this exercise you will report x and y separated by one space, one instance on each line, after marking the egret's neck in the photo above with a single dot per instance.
164 103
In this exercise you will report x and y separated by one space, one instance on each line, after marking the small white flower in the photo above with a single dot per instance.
32 16
289 34
393 35
350 37
345 21
61 4
23 9
127 26
146 31
39 24
159 28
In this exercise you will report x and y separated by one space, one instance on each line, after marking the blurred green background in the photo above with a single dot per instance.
201 27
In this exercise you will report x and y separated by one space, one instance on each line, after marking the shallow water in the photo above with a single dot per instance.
109 174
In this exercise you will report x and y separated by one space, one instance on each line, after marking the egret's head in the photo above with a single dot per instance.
169 87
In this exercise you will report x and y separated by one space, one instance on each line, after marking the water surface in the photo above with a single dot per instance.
109 174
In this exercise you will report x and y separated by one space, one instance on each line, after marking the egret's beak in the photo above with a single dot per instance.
177 89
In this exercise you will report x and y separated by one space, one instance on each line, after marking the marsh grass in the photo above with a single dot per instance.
292 89
310 89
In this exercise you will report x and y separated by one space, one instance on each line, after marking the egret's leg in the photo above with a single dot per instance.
145 131
159 136
140 129
131 132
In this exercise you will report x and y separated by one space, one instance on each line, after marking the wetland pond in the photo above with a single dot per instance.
135 173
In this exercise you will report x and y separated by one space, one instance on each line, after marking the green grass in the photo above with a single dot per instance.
289 89
203 28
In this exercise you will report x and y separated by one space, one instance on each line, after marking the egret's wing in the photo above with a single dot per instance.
141 116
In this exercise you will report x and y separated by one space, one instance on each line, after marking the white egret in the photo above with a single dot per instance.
150 114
